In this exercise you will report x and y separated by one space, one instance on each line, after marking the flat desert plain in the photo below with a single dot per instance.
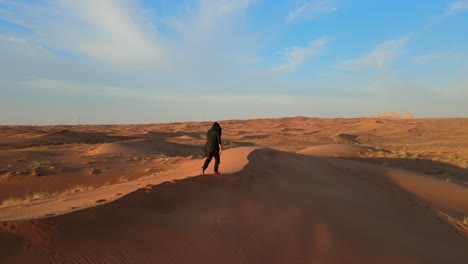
291 190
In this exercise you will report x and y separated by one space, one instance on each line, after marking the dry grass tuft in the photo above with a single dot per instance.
78 189
122 180
11 201
41 195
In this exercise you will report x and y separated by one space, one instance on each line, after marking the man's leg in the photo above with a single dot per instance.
209 156
217 159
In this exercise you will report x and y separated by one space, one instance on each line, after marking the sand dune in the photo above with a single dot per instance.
131 147
143 147
234 160
147 204
268 206
336 150
69 136
31 154
393 115
63 136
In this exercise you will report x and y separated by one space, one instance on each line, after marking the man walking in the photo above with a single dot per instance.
213 147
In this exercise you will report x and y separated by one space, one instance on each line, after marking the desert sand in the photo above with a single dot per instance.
292 190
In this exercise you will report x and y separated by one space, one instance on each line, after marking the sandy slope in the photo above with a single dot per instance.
335 150
63 136
267 207
142 147
233 160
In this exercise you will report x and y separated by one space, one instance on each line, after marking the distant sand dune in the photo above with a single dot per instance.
393 115
185 137
30 154
268 206
63 136
131 147
143 147
335 150
233 160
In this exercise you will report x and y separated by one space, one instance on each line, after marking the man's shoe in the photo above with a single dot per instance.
217 172
202 171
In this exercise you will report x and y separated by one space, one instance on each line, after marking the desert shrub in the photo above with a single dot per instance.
29 197
37 196
41 195
11 201
77 189
35 165
94 171
122 180
452 157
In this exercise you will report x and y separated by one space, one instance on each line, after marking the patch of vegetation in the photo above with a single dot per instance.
35 165
122 180
42 195
27 198
233 144
401 154
452 157
11 201
95 171
77 189
38 195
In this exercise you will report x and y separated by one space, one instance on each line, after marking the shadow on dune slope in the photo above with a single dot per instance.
160 134
60 137
281 208
139 147
441 170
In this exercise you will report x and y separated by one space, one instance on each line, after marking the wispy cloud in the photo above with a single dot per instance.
68 88
295 56
312 10
458 6
12 45
452 9
205 45
72 88
436 56
381 57
213 42
62 87
207 17
108 31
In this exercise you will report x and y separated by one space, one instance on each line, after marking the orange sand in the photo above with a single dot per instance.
268 206
292 190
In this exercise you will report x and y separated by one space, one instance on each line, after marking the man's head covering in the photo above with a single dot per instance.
217 127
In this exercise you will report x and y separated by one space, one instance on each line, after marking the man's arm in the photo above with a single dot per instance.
220 144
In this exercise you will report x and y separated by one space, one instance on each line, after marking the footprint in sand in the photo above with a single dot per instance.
147 189
9 227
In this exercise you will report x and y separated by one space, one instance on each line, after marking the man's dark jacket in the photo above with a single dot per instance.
213 140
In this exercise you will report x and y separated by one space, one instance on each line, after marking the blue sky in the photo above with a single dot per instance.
130 61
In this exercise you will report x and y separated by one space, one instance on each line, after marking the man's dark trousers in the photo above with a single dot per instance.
209 156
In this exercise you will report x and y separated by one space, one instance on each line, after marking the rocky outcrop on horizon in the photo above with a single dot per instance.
393 115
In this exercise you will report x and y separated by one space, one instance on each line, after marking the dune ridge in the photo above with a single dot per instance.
268 206
62 136
393 115
233 161
336 150
130 147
